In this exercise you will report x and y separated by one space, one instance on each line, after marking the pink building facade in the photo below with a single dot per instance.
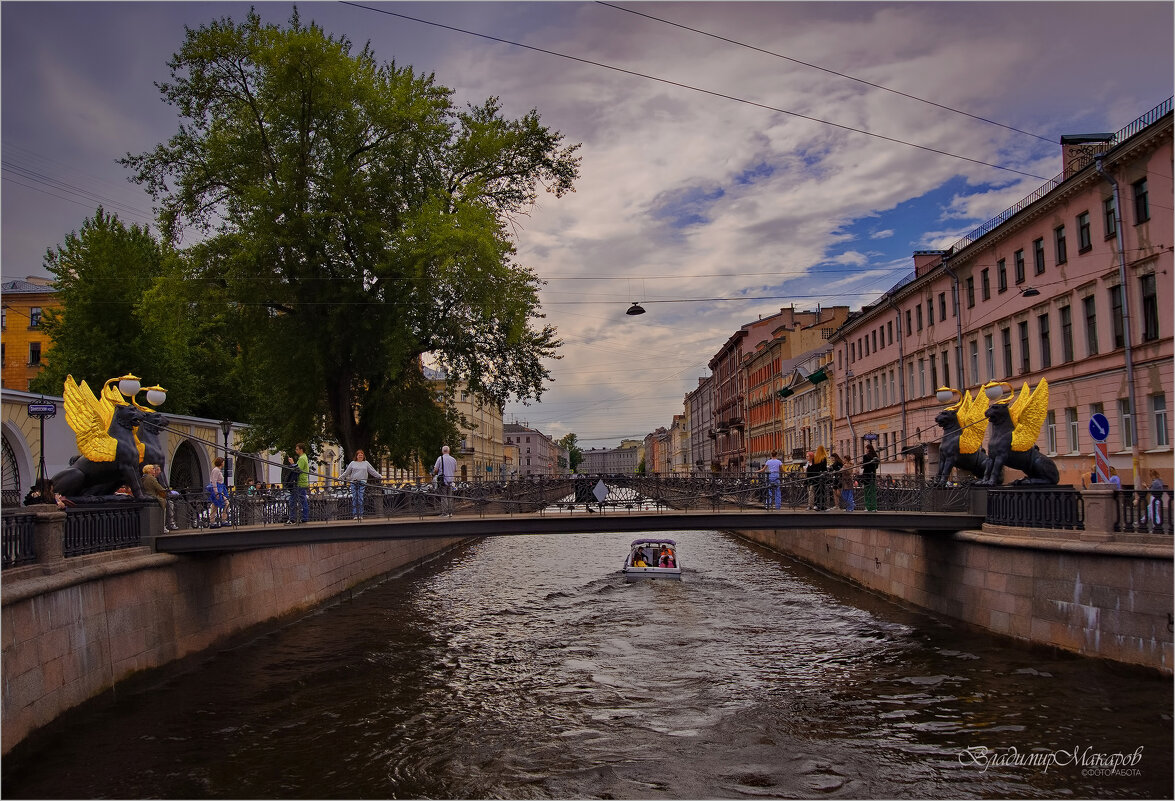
1072 285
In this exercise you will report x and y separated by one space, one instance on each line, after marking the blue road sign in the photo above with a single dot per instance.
1099 427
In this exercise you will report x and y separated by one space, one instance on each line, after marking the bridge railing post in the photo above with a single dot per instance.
1101 514
49 534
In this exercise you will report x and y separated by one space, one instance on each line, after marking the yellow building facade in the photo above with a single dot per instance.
25 342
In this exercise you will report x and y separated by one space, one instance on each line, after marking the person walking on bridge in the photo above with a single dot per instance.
445 470
772 468
357 472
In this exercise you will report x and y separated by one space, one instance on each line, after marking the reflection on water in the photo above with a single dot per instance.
523 667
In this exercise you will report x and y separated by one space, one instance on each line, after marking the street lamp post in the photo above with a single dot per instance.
225 427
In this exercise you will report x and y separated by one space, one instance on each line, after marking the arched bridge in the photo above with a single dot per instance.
569 505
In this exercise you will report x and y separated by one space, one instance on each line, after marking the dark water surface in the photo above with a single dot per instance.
525 667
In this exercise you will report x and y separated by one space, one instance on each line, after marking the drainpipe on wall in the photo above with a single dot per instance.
901 368
1126 327
849 409
958 327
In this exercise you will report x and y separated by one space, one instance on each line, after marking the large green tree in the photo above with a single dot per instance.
125 308
574 452
356 221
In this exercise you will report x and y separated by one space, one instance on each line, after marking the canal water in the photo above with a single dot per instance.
525 667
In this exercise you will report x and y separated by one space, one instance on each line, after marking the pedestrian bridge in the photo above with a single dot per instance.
573 505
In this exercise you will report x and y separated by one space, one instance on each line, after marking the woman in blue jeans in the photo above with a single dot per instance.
357 472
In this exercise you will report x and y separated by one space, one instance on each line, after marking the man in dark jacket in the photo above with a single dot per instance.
290 485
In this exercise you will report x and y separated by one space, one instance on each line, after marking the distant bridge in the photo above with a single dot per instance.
581 505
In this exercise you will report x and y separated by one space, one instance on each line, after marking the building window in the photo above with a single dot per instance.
989 349
933 373
1072 426
970 292
1116 316
874 341
35 317
1126 422
930 311
1046 350
942 306
985 283
1001 276
4 318
1059 239
1006 343
909 328
1038 255
1018 262
1150 308
1050 424
889 331
1084 237
918 315
910 373
34 354
1025 361
974 347
1159 434
1090 307
1142 209
921 377
1066 334
1110 217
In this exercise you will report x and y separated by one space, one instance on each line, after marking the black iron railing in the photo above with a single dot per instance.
1143 511
103 527
18 541
1032 506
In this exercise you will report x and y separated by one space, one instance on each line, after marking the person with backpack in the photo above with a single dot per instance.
445 470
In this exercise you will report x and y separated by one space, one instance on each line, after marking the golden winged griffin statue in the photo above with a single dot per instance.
1014 427
114 437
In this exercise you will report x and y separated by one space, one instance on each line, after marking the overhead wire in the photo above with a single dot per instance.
692 88
826 69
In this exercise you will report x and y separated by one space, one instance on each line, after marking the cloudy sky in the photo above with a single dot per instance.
728 169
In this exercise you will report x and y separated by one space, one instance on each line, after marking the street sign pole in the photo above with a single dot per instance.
40 410
1099 429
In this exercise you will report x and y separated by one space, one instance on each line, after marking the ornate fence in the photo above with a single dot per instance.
103 527
1033 506
1143 511
192 510
18 545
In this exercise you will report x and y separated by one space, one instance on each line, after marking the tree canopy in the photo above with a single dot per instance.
354 222
574 453
123 310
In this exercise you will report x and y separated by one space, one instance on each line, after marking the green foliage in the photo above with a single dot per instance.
125 309
353 221
574 452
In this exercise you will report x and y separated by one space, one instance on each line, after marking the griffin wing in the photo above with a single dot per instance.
1031 416
83 413
1017 406
973 419
111 399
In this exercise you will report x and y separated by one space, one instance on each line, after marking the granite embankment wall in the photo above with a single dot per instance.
77 627
1094 596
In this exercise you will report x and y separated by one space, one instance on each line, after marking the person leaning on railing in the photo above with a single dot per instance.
153 488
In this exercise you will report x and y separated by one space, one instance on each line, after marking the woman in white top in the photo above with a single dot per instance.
357 472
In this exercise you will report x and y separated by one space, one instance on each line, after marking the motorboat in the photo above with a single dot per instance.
659 557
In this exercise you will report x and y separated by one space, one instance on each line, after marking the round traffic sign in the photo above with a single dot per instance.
1099 427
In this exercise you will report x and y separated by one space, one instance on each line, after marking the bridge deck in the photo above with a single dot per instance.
245 538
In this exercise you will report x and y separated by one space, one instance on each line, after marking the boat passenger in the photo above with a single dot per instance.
638 559
666 558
